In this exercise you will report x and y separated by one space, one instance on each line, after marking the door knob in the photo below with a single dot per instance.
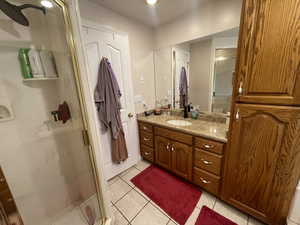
130 115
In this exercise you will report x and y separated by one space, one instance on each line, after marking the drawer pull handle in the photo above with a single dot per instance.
147 153
168 146
173 149
146 139
208 146
9 200
206 162
2 180
204 181
145 128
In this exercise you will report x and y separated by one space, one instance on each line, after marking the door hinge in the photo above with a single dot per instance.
86 138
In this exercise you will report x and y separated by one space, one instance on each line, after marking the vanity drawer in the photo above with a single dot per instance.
147 153
177 136
208 161
207 181
146 138
146 127
209 145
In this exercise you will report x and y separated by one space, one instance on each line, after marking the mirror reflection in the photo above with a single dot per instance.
197 73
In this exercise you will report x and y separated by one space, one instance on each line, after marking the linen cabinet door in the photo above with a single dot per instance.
163 152
269 61
262 161
182 156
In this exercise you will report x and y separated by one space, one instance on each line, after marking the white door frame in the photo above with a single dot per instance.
95 140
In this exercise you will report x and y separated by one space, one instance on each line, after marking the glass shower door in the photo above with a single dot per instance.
46 169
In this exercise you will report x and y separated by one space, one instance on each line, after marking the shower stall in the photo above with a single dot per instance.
48 174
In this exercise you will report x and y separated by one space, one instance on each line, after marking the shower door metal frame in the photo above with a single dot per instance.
83 106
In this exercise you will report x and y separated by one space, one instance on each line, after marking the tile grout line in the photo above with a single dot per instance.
159 209
124 195
121 213
214 204
139 212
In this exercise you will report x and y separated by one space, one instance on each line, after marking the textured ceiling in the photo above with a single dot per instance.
163 12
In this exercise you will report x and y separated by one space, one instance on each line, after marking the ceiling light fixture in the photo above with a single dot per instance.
151 2
47 4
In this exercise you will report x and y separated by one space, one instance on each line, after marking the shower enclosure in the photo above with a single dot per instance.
48 173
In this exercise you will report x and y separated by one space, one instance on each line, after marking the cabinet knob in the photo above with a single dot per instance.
168 146
172 149
147 153
207 146
237 115
206 162
2 180
204 181
146 139
241 88
145 128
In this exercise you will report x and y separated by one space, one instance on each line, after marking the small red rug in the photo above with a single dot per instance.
175 196
210 217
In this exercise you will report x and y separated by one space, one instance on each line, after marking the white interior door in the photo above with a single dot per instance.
100 43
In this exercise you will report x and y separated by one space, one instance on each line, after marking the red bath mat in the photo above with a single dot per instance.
210 217
175 196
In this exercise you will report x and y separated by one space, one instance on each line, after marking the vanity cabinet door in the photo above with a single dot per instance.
182 156
163 152
269 60
262 161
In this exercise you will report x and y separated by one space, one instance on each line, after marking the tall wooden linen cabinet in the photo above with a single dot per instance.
262 163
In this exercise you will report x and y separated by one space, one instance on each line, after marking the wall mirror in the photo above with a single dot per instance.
209 63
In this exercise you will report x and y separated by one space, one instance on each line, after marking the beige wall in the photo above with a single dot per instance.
212 17
141 40
200 75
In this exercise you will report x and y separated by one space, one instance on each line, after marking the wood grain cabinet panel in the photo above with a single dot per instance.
147 153
208 181
262 162
163 152
182 159
146 138
209 145
268 66
146 127
174 135
208 161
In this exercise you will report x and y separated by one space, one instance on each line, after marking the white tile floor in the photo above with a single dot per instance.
132 207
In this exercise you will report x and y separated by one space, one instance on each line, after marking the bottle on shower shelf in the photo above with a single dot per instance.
24 63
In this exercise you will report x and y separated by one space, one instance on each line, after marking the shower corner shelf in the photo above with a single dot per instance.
40 79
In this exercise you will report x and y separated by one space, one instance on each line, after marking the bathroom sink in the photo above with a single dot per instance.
180 122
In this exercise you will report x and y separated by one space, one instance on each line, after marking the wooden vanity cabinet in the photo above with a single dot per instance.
263 155
173 155
182 158
162 152
268 62
263 161
196 159
146 141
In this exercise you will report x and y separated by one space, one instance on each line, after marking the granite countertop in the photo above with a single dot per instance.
211 130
